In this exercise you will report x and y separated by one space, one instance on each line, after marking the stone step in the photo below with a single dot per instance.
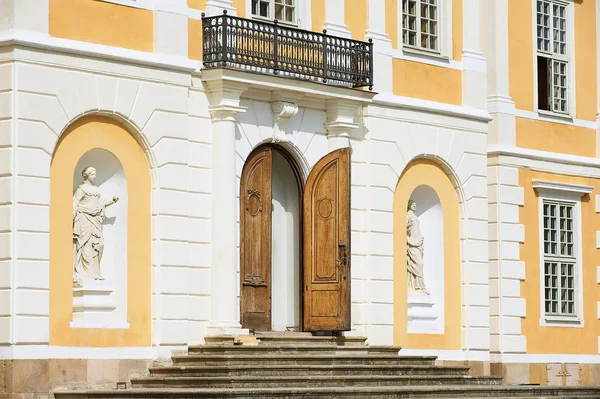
300 359
290 338
282 370
399 392
292 349
302 381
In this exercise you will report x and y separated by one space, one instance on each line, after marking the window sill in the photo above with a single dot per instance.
430 55
549 115
561 321
272 21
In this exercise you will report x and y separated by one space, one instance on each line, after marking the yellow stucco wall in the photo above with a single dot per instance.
585 59
317 8
195 39
86 134
427 82
457 29
417 173
356 13
551 340
555 137
391 21
102 23
522 50
520 57
197 4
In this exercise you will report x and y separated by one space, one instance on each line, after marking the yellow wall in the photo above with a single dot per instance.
197 4
391 21
195 39
585 59
417 173
427 82
240 6
356 13
318 14
102 23
551 340
522 50
86 134
520 57
457 29
555 137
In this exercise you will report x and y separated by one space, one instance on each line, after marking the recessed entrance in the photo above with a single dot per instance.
294 243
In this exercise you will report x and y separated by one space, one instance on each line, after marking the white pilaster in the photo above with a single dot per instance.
494 33
474 68
341 123
170 33
382 46
334 18
224 98
31 15
216 7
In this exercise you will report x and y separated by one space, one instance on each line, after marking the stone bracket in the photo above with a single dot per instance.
283 111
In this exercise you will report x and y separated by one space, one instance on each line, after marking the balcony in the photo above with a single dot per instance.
270 48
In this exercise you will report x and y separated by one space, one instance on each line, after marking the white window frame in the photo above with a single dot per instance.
303 14
444 36
569 194
569 58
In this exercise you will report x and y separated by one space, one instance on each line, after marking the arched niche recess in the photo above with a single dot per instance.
428 184
103 139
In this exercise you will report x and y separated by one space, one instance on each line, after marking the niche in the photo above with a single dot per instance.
425 262
100 302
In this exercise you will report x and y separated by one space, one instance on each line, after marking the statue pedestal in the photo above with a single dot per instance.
421 316
93 307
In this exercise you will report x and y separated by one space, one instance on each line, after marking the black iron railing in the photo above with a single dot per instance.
272 48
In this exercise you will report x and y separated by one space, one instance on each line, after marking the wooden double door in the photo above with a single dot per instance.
324 212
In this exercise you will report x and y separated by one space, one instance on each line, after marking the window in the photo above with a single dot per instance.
561 284
552 56
420 24
559 258
281 10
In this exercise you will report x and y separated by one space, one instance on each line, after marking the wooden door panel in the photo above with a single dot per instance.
255 241
327 244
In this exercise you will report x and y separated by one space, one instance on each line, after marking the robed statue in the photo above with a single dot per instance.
414 251
88 214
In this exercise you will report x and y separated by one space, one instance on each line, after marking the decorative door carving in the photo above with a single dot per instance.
327 244
255 241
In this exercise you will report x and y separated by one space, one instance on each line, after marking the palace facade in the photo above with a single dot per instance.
259 158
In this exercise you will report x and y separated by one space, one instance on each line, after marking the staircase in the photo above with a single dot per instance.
295 365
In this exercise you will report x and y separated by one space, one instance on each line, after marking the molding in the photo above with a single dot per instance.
469 355
267 85
552 117
507 155
432 107
562 187
15 37
546 358
77 352
414 55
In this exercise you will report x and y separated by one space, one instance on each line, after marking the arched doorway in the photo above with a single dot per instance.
271 191
295 242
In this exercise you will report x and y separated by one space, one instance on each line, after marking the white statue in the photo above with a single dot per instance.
414 251
88 214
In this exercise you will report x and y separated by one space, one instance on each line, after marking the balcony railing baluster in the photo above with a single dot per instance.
259 46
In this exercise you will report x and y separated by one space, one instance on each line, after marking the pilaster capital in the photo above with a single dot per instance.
216 7
224 98
341 117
